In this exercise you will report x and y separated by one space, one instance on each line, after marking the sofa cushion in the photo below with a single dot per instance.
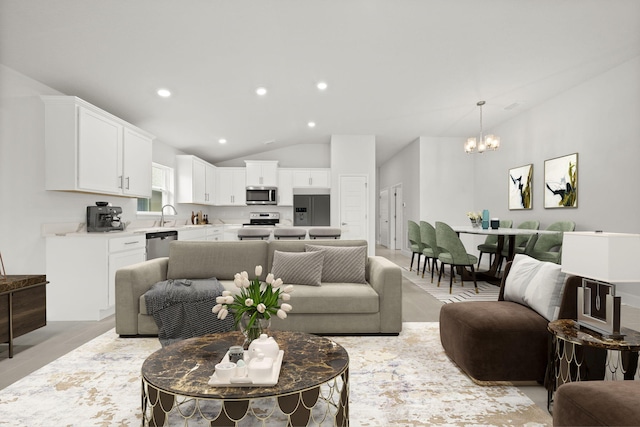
222 260
335 298
597 403
300 268
299 246
535 284
342 264
495 340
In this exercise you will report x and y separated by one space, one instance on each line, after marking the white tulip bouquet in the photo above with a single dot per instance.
256 299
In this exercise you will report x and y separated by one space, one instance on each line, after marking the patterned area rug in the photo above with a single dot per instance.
394 381
486 291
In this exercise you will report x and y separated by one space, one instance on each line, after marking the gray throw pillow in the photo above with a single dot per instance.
344 264
298 268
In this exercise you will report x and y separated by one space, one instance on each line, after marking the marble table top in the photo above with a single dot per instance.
185 367
569 330
15 282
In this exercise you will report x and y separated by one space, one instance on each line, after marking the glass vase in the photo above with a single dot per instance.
259 327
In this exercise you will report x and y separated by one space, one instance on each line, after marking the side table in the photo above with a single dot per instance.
24 300
579 354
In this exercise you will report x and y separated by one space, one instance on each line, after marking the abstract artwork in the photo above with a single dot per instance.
520 187
561 182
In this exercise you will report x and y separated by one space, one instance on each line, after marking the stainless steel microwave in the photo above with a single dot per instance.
262 196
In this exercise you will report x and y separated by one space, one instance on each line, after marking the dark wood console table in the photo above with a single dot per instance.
23 306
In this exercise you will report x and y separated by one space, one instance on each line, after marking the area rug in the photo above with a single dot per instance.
394 381
459 291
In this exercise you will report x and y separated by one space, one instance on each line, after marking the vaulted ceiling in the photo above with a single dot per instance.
396 69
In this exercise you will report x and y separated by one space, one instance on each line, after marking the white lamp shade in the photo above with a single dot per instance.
608 257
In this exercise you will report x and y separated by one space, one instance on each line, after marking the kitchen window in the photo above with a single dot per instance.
162 190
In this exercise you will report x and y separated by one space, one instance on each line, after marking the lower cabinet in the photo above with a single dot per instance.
81 272
201 233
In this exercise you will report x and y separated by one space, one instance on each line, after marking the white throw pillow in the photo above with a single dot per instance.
536 284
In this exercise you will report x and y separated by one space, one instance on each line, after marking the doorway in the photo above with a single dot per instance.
384 218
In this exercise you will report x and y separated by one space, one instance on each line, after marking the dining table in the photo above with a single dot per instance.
503 233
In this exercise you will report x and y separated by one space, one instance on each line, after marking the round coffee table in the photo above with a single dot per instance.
313 383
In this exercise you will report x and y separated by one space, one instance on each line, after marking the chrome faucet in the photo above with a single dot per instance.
175 212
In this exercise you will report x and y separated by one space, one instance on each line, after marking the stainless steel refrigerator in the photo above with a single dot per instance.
311 210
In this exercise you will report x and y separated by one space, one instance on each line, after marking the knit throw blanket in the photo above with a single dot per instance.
181 309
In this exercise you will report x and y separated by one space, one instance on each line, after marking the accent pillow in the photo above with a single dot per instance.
300 268
342 263
536 284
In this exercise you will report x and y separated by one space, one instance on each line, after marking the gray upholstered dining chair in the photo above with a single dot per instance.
430 251
455 253
415 243
548 247
490 245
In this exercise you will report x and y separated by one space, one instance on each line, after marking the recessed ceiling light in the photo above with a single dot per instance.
262 91
165 93
222 141
322 85
311 124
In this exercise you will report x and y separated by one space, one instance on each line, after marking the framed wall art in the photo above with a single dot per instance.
561 182
521 187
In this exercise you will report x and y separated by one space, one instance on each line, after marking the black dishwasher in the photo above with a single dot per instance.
158 243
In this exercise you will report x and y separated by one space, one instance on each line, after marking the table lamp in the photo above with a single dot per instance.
603 260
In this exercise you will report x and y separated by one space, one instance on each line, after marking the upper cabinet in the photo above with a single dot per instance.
262 173
285 187
90 150
311 178
196 180
231 187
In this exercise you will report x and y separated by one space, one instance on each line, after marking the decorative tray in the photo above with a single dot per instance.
246 380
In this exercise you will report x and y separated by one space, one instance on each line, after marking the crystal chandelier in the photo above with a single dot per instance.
490 142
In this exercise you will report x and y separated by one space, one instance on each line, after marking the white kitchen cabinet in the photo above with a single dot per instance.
262 173
285 187
215 233
319 177
81 271
204 232
196 180
231 187
90 150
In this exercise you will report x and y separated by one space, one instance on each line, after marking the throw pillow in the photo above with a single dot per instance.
300 268
536 284
342 263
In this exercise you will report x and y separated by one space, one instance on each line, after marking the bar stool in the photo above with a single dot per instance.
254 233
324 233
289 233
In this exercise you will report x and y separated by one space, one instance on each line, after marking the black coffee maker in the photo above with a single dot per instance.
103 218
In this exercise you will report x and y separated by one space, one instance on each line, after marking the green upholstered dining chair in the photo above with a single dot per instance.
456 255
548 247
415 243
430 251
521 241
490 245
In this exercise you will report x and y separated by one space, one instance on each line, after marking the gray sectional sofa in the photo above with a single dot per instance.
372 307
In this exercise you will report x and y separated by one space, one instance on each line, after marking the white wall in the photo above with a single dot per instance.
354 155
403 168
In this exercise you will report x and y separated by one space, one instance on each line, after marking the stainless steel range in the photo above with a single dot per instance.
265 219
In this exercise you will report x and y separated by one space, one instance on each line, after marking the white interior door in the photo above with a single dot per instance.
353 207
384 218
397 218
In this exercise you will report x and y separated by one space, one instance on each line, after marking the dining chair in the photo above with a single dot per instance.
415 243
490 245
520 241
430 251
454 253
548 247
